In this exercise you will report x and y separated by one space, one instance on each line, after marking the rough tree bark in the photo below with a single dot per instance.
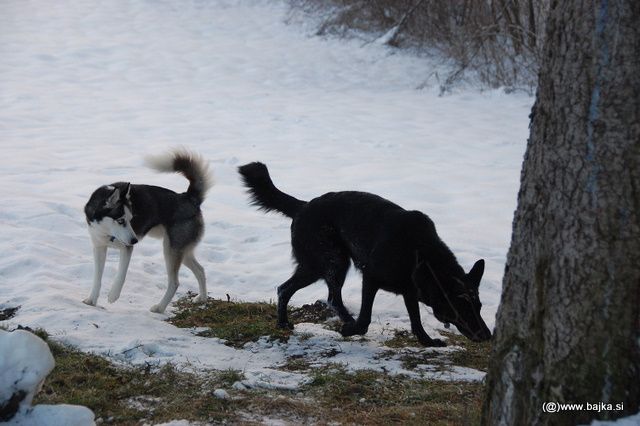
568 326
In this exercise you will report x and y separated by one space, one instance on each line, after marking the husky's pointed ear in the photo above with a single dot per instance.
113 199
475 274
127 192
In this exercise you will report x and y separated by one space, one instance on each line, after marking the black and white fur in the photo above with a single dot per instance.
121 214
396 250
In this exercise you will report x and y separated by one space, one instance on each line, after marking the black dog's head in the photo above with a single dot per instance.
453 297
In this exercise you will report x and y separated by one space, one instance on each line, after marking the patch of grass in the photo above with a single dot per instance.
128 396
241 322
472 355
315 312
374 398
228 377
40 332
296 363
411 360
402 339
236 322
124 396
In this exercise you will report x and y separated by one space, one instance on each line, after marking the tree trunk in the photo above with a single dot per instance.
532 33
568 326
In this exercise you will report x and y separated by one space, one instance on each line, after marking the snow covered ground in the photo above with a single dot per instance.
88 88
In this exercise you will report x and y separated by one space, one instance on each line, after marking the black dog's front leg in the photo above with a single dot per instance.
361 325
411 302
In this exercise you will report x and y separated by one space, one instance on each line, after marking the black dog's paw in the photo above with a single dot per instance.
348 320
285 325
351 329
434 343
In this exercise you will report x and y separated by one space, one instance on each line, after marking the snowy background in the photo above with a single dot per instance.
87 89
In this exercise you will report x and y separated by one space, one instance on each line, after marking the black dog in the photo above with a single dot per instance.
396 250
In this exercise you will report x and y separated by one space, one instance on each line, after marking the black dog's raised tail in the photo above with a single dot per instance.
190 165
264 193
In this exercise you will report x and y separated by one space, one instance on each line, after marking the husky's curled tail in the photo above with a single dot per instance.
190 165
264 193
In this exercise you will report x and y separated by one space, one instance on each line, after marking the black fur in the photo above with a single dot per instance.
395 249
263 192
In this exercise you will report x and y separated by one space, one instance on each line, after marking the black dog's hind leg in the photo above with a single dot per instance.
411 302
361 325
335 277
335 300
300 279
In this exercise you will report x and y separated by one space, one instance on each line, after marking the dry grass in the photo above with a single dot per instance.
127 395
236 322
472 355
375 398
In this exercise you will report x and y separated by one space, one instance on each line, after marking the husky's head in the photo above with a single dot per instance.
454 299
109 215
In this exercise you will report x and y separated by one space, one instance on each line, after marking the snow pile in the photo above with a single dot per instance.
25 361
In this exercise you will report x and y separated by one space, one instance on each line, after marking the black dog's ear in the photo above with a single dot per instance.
475 274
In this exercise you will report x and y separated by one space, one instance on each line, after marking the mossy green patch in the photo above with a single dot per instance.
235 322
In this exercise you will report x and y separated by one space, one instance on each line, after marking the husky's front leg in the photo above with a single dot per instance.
99 257
123 266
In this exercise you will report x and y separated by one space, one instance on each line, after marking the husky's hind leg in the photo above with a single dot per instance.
173 260
123 266
197 269
99 257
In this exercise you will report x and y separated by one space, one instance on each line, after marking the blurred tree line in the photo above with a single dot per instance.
499 41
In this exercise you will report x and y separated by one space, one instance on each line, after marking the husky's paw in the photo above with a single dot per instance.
89 301
113 297
158 309
201 298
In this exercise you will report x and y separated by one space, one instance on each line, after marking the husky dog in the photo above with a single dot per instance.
396 250
121 214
